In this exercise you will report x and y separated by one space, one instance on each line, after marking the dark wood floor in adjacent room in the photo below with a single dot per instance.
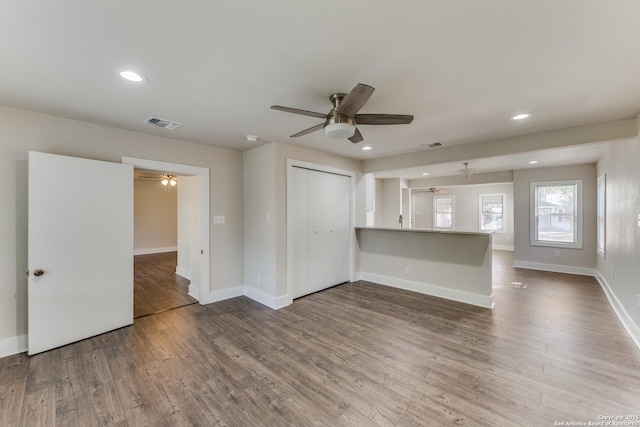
357 354
157 287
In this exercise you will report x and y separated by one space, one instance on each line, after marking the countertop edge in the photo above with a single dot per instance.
428 230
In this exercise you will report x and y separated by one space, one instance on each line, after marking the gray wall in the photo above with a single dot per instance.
572 259
21 131
621 267
265 189
466 209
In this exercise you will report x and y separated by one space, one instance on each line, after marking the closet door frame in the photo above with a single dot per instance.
291 163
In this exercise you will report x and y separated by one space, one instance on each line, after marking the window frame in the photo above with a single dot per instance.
435 212
578 222
503 196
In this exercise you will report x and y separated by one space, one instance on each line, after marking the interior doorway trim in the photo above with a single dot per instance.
292 163
201 290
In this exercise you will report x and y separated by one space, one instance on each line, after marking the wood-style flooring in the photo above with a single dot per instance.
358 354
157 287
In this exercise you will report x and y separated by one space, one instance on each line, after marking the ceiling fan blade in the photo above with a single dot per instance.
306 131
298 111
383 119
355 100
357 137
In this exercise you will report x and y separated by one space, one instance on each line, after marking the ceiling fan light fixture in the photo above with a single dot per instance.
339 130
169 180
466 172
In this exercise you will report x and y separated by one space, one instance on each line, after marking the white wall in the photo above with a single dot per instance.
266 242
620 270
391 202
570 260
21 131
155 217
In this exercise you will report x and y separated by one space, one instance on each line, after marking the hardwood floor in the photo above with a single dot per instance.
157 287
357 354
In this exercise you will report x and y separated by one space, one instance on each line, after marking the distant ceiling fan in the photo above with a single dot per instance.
433 190
341 121
165 179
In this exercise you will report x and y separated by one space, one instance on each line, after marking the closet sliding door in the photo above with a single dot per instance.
321 230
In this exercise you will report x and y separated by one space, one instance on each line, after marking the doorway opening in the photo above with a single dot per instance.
158 284
163 276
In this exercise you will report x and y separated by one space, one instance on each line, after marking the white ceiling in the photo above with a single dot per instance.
462 68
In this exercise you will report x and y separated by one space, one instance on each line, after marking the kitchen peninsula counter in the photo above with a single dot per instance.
445 263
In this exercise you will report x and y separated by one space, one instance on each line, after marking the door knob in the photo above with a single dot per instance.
38 272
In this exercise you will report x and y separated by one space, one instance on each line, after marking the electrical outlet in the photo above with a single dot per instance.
556 254
259 280
218 219
407 272
638 302
613 274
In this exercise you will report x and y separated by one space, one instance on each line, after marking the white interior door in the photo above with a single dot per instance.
343 231
299 211
81 238
319 230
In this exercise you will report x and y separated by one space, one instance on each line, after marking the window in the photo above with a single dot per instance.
492 212
443 212
601 225
556 214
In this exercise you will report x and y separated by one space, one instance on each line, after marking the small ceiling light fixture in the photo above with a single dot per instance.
521 116
425 173
251 138
169 180
366 148
339 130
466 172
533 162
131 75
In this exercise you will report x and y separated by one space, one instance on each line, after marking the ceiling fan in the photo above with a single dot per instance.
341 121
432 190
164 178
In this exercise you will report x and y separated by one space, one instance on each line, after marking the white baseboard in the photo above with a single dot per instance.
194 292
147 251
13 345
618 308
503 248
485 301
221 295
556 268
282 302
266 299
183 272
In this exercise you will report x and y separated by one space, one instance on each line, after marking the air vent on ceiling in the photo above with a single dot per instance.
161 123
432 145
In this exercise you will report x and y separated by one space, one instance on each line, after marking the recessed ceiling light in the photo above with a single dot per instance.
533 162
131 75
365 148
251 138
521 116
425 173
